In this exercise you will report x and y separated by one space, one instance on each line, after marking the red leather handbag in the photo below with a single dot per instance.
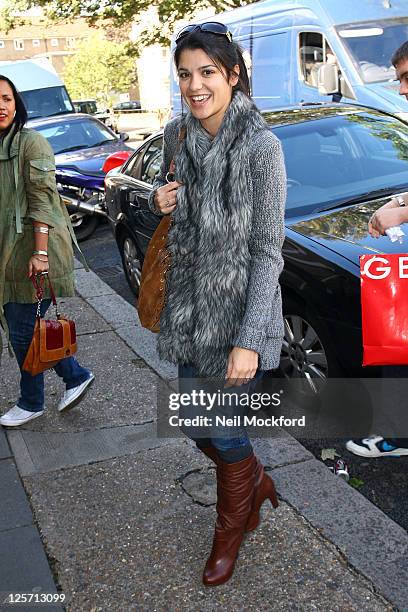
384 305
52 340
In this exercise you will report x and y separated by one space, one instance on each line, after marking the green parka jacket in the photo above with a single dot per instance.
28 193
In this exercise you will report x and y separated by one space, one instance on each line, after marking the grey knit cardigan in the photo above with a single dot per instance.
261 327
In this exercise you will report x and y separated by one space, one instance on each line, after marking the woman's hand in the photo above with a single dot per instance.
36 265
386 217
165 198
242 366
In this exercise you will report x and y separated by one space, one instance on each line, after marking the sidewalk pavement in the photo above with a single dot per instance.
96 507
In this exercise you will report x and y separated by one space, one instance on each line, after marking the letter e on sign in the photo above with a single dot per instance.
403 267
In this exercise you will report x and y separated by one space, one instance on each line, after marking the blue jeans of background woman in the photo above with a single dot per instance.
231 441
21 320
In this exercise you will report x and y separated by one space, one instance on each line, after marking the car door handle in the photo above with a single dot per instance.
134 201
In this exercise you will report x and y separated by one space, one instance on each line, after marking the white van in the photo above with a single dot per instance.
319 50
41 88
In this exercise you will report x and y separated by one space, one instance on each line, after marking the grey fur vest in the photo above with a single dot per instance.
210 242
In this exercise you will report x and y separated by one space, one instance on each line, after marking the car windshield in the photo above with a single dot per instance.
342 157
70 135
371 46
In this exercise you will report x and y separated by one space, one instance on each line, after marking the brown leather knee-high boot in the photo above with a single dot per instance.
235 492
210 452
264 488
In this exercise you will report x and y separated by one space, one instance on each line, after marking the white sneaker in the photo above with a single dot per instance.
18 416
72 397
375 446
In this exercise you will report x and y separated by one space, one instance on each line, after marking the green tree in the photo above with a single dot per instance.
121 13
98 69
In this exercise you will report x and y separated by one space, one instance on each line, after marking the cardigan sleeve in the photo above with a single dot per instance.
39 179
266 241
170 136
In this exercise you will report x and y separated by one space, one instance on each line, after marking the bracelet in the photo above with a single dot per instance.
40 229
39 259
400 200
40 253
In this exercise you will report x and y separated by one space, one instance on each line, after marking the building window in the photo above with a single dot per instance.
2 44
19 44
54 42
70 42
36 43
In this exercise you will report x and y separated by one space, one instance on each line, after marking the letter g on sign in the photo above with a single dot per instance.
378 272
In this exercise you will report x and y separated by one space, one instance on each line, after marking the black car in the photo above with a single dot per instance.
130 105
342 163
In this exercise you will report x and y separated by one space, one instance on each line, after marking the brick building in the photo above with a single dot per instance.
42 39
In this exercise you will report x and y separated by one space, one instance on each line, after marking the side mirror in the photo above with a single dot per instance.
328 79
115 159
123 136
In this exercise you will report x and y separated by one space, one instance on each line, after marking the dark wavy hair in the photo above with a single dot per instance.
20 117
224 54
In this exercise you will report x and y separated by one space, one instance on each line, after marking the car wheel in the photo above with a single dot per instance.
84 225
306 352
132 262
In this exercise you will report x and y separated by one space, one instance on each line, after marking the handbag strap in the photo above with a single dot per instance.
181 136
39 292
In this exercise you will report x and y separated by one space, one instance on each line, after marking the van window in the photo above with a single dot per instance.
314 51
372 44
271 69
46 102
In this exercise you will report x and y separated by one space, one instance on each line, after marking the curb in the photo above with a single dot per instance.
370 541
25 567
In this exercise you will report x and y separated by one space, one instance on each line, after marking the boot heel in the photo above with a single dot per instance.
274 500
272 493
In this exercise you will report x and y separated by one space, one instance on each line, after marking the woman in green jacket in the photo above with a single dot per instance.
34 239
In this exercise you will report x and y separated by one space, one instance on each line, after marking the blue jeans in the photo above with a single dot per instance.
21 320
231 441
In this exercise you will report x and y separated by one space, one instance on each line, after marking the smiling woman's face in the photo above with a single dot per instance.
7 105
205 88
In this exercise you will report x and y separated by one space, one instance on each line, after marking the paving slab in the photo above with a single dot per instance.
126 536
114 309
26 569
37 452
87 320
78 264
14 507
88 284
124 392
143 342
280 449
371 542
4 447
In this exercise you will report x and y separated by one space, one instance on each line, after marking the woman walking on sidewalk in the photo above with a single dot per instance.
223 315
35 239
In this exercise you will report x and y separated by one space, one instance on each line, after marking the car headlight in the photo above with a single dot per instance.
403 116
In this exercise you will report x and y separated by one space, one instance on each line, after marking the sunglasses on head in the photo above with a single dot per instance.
214 27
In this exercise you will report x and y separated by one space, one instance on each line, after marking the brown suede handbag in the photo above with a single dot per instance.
152 291
52 340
